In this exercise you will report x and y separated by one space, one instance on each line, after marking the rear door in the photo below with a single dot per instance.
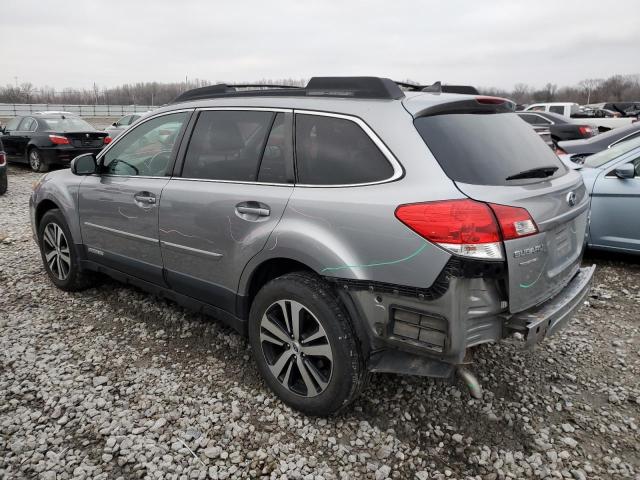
615 208
488 156
119 207
225 200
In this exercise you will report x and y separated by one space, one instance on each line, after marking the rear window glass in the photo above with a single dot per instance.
336 151
66 124
485 149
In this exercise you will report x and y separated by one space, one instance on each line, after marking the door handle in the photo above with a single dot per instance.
145 198
259 211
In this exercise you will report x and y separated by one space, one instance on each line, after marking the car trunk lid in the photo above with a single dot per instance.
86 139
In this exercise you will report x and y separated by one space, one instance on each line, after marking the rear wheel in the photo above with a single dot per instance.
304 345
3 181
59 255
35 161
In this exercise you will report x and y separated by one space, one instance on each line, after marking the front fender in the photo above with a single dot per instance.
60 188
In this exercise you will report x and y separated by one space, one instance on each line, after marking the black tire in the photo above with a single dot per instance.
348 372
75 278
3 181
34 157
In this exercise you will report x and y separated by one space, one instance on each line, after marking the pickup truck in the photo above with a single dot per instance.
579 114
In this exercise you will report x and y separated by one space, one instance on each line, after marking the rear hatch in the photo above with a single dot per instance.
495 157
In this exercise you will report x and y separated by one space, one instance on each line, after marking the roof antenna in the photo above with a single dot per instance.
435 88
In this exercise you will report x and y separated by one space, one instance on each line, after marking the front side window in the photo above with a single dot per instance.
13 124
123 121
147 149
228 145
336 151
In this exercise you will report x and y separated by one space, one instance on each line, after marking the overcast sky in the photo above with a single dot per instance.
486 43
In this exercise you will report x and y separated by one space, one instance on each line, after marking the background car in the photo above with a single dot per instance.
3 170
121 125
612 178
559 127
578 150
45 139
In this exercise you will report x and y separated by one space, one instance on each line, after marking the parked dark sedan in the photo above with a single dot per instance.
578 150
47 138
560 127
3 170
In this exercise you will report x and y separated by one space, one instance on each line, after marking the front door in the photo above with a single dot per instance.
119 206
615 208
234 185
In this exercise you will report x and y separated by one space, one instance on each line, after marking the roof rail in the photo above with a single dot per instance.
349 87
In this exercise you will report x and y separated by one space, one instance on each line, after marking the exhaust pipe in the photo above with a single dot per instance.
470 380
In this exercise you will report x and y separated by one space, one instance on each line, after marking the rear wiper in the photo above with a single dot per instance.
540 172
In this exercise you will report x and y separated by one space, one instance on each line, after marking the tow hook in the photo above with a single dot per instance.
470 380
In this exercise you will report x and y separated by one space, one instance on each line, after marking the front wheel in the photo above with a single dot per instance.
59 255
35 161
304 344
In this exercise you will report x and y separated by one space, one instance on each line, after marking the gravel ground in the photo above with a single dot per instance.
113 383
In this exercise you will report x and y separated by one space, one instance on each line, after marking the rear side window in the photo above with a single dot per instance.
336 151
485 149
28 124
228 145
533 119
556 109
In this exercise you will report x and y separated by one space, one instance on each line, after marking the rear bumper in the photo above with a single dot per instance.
63 155
535 324
419 335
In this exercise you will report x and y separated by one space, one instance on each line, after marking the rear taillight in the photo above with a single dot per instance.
559 151
515 222
107 140
466 227
3 159
585 130
491 100
59 140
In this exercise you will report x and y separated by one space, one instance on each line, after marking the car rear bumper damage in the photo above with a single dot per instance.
424 335
533 325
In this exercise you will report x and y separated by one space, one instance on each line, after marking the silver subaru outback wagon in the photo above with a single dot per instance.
346 227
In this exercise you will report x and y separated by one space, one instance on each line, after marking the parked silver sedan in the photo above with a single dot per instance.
116 128
612 178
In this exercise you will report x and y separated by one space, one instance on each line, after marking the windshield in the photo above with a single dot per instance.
67 124
489 149
598 159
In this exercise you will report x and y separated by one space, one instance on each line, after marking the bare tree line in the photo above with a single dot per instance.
592 90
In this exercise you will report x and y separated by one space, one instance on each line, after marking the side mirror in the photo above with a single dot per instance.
625 171
84 164
114 124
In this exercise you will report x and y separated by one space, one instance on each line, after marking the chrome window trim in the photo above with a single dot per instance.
132 128
244 109
121 232
242 182
623 139
398 171
112 175
197 251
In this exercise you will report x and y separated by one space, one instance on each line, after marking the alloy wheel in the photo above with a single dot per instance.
296 348
34 160
56 251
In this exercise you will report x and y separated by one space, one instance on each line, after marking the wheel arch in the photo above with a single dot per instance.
43 207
